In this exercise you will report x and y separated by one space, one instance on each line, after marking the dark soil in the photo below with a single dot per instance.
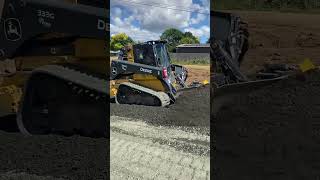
280 38
57 156
271 133
192 108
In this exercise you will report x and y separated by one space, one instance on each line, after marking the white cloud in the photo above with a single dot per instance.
116 12
199 18
205 3
199 32
152 19
135 33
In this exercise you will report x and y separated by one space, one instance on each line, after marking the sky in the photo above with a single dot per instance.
145 20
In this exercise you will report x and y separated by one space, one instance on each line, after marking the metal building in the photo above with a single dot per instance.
193 48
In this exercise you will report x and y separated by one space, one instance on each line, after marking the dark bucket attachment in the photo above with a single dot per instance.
224 94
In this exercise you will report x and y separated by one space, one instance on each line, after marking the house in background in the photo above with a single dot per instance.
193 48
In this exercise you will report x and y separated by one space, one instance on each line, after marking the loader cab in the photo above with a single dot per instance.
155 53
152 53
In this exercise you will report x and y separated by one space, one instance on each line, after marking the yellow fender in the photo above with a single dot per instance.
9 99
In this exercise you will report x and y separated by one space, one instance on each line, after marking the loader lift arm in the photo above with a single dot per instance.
229 43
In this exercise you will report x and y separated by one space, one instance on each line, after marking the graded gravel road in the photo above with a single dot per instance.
142 151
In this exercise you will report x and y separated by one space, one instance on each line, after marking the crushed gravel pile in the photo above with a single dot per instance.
192 108
273 131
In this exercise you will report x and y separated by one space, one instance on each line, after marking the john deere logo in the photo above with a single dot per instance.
12 29
146 70
102 25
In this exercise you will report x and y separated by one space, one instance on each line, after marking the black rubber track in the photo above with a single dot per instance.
63 101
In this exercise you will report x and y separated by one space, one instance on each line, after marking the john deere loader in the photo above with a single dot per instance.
54 66
144 75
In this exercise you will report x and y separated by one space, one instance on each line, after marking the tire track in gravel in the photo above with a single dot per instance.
176 137
139 158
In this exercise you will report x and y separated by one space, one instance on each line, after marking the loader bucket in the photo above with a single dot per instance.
230 34
222 95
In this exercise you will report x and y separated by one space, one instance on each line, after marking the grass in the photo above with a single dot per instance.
250 5
184 62
191 62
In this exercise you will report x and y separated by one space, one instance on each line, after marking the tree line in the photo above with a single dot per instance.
173 36
266 4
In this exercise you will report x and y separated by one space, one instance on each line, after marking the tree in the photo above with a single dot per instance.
188 34
173 36
189 38
120 40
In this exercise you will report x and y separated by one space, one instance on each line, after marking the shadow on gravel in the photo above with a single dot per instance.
8 123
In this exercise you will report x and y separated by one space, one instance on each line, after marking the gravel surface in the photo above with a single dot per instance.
162 143
192 109
273 131
176 137
55 156
139 158
25 176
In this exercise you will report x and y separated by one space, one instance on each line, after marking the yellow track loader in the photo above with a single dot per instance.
144 75
54 66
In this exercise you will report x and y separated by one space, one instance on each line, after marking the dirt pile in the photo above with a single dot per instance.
273 131
280 38
56 156
192 108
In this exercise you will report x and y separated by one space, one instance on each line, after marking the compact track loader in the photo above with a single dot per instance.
229 43
144 75
54 66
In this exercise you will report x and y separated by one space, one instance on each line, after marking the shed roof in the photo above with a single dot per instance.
194 45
